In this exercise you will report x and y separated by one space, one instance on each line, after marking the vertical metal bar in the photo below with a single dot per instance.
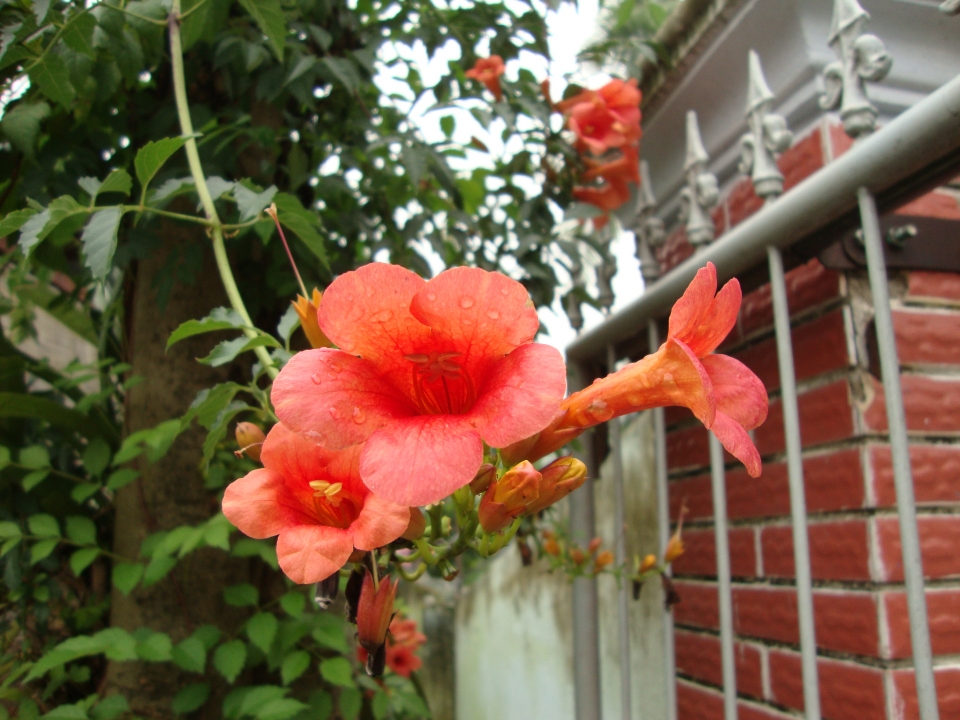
620 551
899 448
798 500
663 510
718 476
586 631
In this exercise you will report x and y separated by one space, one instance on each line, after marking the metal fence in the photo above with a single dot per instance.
914 153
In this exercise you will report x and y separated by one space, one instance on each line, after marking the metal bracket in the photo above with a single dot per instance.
911 243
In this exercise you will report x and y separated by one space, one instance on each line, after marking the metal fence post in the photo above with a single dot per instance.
724 589
899 448
663 512
798 499
620 551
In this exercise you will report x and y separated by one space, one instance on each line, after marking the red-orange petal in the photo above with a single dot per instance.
380 523
420 460
311 553
688 312
740 393
737 442
252 503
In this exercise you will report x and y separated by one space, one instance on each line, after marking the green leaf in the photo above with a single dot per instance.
81 530
78 34
34 407
9 529
344 71
35 456
41 550
294 665
31 480
190 655
329 632
121 478
350 702
81 559
151 157
190 698
118 181
207 635
261 629
252 700
219 319
9 545
293 603
126 575
111 707
115 643
76 711
100 241
241 595
83 491
31 230
230 658
96 457
4 458
337 670
156 441
51 75
380 705
228 350
43 525
160 564
21 124
250 203
448 124
15 220
303 223
40 9
156 647
280 709
269 17
217 532
288 324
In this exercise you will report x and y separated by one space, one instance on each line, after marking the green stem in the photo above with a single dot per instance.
51 470
426 551
196 169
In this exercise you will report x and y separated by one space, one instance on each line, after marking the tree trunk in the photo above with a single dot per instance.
170 492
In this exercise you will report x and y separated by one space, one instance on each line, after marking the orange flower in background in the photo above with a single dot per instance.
606 118
403 641
315 501
625 168
428 371
725 395
488 71
608 198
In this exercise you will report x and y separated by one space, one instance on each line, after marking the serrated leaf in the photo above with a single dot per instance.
230 658
344 71
15 220
304 63
43 525
241 595
117 181
228 350
89 185
268 15
82 558
155 647
190 655
51 75
190 698
250 203
40 9
100 241
78 34
293 666
42 224
81 530
261 629
151 157
121 478
338 671
288 324
219 319
126 575
218 186
31 229
22 405
21 124
41 550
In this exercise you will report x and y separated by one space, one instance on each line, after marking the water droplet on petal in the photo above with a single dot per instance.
600 410
432 297
382 316
636 399
466 302
334 413
358 416
316 378
505 290
493 314
336 368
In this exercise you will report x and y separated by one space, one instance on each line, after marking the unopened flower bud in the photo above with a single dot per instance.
603 559
674 548
551 547
559 479
485 475
416 526
577 555
448 571
508 497
594 545
374 613
307 311
250 439
649 562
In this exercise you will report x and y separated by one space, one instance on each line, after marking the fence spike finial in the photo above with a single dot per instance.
950 7
701 192
647 228
768 135
863 57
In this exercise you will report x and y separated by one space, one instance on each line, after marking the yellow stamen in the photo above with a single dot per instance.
329 491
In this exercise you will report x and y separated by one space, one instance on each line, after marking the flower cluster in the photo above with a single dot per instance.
606 123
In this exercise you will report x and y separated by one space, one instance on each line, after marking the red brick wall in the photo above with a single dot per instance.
860 609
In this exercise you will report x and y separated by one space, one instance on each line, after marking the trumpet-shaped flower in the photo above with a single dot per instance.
488 71
427 371
605 118
315 501
726 396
